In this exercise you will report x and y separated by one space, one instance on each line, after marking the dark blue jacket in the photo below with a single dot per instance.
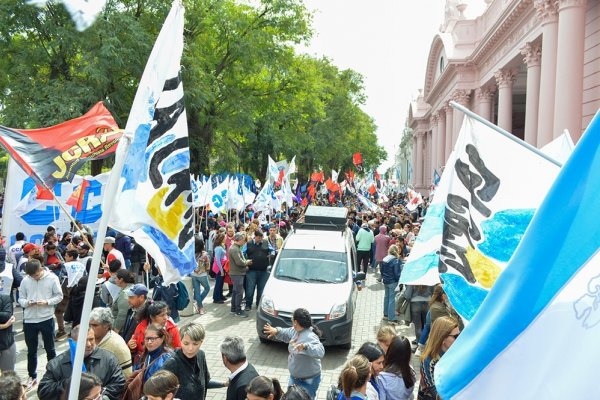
391 267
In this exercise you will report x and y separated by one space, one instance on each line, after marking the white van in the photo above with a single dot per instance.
315 269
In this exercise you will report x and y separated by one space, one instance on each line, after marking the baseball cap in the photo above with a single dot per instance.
137 290
109 239
28 247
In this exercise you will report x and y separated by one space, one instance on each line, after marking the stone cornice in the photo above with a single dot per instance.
532 53
511 15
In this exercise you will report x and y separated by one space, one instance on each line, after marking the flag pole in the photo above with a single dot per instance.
504 133
108 201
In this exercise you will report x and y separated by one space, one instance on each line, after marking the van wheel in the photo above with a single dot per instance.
264 340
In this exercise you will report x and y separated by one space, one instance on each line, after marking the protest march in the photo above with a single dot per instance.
204 231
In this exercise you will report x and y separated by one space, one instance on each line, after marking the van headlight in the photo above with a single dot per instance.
337 311
267 305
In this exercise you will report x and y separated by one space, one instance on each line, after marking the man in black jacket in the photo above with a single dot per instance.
242 372
97 361
258 251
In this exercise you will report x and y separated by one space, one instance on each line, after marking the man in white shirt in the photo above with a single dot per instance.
16 250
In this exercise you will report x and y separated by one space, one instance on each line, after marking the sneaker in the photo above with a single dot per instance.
218 302
384 318
248 308
242 314
31 384
232 312
393 322
201 311
60 336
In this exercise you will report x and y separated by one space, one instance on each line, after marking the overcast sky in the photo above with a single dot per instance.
388 42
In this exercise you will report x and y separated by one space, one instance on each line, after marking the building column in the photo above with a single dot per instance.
427 159
547 12
461 96
449 129
441 138
433 122
532 53
505 78
413 177
484 96
419 159
569 68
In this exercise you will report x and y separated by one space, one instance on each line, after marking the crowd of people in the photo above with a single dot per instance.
135 347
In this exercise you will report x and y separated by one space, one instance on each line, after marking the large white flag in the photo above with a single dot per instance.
154 201
495 185
536 334
219 198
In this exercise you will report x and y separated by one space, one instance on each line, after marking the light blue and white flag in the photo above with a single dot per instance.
490 200
219 198
536 334
154 201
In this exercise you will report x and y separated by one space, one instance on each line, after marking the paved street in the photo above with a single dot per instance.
269 359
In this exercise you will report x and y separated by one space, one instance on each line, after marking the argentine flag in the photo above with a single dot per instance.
537 333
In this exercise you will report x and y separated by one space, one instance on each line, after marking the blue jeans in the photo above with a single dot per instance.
31 330
198 281
311 384
418 313
389 301
426 329
218 290
255 280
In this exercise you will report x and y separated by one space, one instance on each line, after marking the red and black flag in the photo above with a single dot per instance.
55 154
357 161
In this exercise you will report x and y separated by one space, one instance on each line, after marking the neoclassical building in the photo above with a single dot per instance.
530 66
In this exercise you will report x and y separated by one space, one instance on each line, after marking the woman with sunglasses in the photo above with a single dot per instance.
90 388
157 350
397 380
354 379
444 332
154 313
163 385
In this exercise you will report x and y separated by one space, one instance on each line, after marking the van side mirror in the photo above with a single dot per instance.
361 276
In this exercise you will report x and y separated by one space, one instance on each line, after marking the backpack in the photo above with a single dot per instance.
134 386
184 297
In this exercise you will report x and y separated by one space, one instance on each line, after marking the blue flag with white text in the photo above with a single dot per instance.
535 336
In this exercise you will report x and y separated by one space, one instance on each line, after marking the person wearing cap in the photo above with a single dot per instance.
113 253
136 297
258 251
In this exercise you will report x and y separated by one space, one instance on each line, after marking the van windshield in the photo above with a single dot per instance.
312 266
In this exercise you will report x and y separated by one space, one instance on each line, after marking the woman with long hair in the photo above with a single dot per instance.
391 267
397 380
354 379
263 388
439 306
444 332
376 357
220 256
163 385
157 351
90 388
154 313
305 348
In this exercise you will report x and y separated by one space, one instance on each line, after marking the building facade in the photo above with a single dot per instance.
530 66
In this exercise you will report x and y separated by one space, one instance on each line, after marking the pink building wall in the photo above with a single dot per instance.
529 66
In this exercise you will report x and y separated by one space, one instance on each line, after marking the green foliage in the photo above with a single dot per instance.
248 94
